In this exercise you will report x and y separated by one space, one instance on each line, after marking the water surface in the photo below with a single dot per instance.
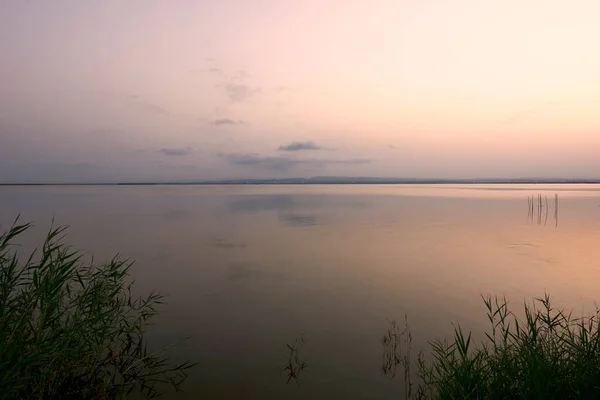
250 268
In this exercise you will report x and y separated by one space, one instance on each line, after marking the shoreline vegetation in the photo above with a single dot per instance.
73 330
548 354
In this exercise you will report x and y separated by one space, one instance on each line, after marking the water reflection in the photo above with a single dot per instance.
298 220
249 268
282 202
257 203
228 245
237 271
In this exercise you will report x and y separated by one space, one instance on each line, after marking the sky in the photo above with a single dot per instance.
148 90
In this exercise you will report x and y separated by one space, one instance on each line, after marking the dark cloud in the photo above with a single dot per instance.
148 108
226 121
254 160
297 146
175 151
283 163
238 93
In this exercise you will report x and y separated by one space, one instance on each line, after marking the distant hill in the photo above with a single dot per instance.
337 180
345 180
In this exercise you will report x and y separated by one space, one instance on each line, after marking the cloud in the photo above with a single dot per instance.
238 93
175 151
297 146
281 163
214 70
391 146
254 160
226 121
148 108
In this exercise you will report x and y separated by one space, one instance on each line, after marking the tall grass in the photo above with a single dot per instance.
73 330
548 354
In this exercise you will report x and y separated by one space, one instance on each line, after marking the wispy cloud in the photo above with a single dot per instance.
226 121
239 93
297 146
175 151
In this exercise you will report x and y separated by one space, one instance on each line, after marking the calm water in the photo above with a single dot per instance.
250 268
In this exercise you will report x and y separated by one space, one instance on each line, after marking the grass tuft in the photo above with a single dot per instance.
548 354
73 330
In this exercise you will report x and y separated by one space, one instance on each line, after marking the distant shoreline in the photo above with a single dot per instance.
333 181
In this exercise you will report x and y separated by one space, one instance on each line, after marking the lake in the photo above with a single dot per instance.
250 268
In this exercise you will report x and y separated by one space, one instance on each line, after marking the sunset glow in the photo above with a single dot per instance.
117 90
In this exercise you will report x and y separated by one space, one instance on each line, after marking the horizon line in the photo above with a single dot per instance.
332 180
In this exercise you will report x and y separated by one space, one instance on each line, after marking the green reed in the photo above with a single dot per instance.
73 330
548 354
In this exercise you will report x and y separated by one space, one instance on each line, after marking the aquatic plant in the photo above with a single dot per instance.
71 329
295 365
538 208
549 354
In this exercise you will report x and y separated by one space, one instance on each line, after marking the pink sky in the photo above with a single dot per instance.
142 89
